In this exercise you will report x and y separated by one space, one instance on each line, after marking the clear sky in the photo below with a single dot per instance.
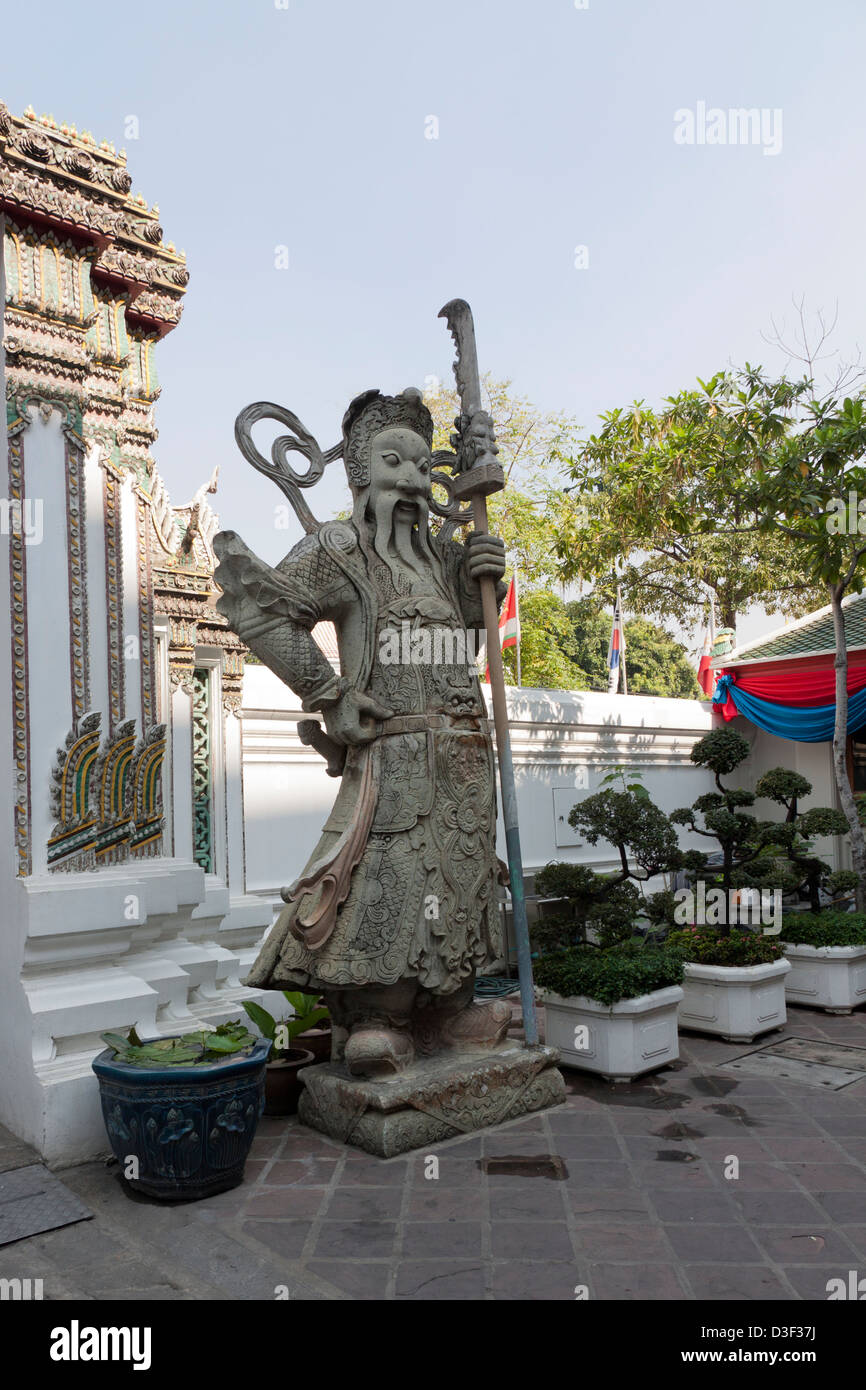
306 127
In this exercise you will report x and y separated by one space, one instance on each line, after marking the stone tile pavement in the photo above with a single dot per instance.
637 1207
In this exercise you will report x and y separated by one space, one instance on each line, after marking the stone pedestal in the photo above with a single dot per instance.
436 1099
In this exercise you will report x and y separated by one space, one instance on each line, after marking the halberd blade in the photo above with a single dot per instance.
458 316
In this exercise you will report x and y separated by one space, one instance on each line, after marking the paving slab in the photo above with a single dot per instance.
620 1193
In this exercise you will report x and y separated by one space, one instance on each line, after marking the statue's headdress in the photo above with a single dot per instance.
368 414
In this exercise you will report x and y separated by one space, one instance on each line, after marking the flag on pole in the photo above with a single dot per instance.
706 674
616 649
509 622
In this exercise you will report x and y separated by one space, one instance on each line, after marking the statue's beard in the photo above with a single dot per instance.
400 537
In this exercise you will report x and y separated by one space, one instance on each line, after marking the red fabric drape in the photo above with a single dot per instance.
793 687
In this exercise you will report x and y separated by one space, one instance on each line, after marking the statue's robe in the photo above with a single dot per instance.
403 881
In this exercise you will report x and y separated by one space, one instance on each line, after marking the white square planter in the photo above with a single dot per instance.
735 1002
618 1041
832 978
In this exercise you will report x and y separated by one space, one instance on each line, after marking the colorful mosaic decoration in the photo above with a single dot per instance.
106 796
202 774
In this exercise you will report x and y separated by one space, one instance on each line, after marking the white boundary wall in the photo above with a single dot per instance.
563 741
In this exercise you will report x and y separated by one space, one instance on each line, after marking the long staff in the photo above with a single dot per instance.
479 477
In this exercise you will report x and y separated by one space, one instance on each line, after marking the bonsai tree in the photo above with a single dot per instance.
646 843
794 836
742 839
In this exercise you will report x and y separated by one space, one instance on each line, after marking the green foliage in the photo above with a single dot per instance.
530 441
192 1049
721 751
563 646
608 903
742 839
842 882
794 836
602 903
783 786
707 946
548 651
656 663
633 825
308 1013
824 928
620 775
742 485
609 976
645 482
265 1022
660 908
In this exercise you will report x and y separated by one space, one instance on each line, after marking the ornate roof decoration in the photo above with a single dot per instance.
53 177
806 637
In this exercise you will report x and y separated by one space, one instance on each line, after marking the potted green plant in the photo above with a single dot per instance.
282 1080
612 1011
314 1024
610 1003
827 953
181 1112
734 982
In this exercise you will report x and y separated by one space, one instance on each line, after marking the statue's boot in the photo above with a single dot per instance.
478 1025
377 1051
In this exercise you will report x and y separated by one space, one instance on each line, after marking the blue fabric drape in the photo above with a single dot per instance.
810 724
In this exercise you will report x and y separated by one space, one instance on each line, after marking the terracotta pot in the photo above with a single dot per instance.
317 1041
283 1082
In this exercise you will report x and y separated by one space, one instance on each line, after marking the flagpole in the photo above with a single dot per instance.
621 640
517 616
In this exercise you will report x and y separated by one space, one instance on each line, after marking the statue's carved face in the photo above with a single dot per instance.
398 500
400 471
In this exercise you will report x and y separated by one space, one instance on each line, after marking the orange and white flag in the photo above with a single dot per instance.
509 621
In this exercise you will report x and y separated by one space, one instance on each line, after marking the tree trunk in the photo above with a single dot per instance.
727 615
840 750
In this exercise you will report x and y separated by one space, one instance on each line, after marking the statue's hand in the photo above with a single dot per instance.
486 556
353 718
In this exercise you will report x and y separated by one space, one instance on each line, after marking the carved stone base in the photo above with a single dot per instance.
437 1098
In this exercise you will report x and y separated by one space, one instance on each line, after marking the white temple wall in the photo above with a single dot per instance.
47 574
563 743
97 615
132 656
813 761
180 773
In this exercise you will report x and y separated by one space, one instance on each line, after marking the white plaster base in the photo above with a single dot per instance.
622 1040
156 944
832 978
735 1002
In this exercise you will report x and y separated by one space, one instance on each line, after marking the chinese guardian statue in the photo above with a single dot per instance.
397 909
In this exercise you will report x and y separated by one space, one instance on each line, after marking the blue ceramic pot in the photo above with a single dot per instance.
189 1128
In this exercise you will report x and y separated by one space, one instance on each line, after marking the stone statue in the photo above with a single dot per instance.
397 908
